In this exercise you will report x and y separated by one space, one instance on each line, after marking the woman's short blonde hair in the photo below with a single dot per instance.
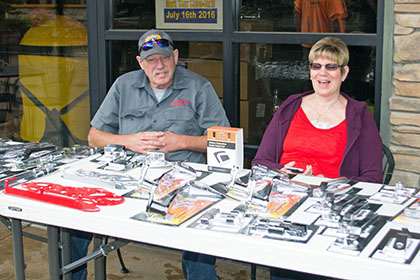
331 48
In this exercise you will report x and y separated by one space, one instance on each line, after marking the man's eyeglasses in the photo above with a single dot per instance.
328 66
150 44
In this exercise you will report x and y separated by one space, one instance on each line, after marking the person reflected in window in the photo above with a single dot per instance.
324 131
320 16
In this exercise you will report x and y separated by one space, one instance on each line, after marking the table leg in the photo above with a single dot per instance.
18 249
53 253
100 269
66 251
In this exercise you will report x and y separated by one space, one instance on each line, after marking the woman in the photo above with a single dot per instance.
324 132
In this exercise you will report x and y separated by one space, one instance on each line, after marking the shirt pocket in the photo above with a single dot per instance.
132 121
181 121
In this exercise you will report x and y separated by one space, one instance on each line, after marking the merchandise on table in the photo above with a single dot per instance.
281 230
263 203
116 158
410 215
176 197
28 161
398 246
397 194
85 199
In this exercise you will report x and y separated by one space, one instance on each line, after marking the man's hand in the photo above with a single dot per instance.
143 142
140 142
174 142
171 142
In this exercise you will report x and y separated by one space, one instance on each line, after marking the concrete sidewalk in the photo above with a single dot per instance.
143 261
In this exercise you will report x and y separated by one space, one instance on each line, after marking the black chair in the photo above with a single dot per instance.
388 164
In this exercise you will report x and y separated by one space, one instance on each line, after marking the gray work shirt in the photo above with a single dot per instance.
189 107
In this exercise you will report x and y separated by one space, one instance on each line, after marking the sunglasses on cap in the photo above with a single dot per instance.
328 66
160 42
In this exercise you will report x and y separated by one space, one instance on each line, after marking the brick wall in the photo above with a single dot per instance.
404 103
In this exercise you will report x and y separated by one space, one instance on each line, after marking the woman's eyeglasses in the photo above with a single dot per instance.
328 66
150 44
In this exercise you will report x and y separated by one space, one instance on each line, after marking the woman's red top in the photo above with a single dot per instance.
307 145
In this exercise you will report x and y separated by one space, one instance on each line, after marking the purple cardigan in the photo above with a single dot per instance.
362 159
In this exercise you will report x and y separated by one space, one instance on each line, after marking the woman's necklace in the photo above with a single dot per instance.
322 113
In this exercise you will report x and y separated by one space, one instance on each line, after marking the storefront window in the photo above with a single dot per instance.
312 16
44 72
279 15
134 14
124 58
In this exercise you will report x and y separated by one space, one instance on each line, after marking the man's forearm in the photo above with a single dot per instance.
338 26
298 21
194 143
97 138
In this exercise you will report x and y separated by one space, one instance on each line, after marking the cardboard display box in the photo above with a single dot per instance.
210 69
212 50
256 25
225 148
262 52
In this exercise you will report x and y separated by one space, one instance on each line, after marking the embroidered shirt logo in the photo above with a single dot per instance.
180 103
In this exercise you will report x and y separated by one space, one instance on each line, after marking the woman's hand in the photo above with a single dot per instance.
290 169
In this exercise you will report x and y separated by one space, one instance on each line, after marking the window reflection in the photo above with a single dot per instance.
335 15
44 72
135 14
320 16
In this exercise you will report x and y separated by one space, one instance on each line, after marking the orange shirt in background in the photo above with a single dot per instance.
318 15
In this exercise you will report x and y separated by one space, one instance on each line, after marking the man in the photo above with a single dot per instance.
161 107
